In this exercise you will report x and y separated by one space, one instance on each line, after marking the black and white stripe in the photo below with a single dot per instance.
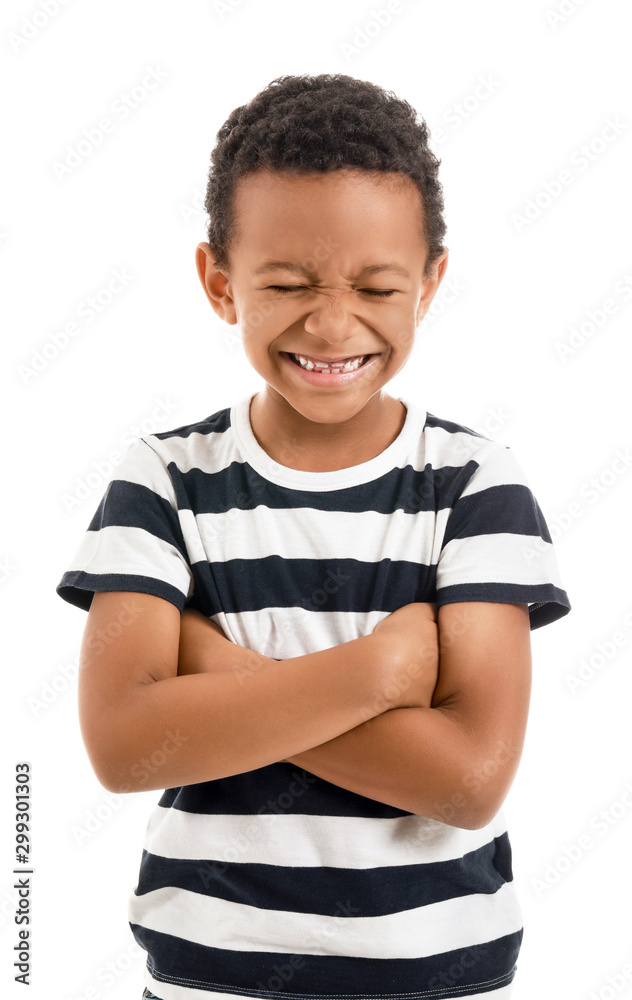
276 882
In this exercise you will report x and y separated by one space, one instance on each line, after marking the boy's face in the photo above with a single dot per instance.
329 229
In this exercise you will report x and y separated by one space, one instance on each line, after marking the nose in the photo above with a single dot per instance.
331 320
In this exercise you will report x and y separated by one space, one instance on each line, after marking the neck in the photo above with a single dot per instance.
293 440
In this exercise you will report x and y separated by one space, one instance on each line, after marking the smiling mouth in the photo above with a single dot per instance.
332 367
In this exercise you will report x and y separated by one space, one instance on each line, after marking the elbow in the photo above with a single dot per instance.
112 749
478 819
112 785
472 809
483 788
479 810
120 774
461 811
105 754
109 773
469 816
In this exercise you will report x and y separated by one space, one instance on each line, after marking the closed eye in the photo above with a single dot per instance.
300 288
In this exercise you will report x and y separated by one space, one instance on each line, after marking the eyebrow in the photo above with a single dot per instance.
287 265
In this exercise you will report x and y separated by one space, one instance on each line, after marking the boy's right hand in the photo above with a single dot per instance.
412 635
205 648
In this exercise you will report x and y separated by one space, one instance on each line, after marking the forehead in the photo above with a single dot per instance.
278 210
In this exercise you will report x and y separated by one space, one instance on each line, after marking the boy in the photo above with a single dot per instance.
309 613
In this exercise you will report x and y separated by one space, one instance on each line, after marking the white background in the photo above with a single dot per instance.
135 203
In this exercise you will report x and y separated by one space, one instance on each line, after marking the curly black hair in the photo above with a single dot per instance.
321 123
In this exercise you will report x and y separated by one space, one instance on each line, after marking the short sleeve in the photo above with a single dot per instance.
134 541
497 546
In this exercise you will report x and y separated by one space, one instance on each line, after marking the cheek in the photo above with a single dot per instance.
260 320
403 341
403 331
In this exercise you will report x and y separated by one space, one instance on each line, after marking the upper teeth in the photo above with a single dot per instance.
344 366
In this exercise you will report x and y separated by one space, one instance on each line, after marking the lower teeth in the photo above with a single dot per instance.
331 371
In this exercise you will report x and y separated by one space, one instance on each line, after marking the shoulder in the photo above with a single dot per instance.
469 453
451 439
217 423
185 447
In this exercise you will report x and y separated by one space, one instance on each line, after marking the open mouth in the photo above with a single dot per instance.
332 368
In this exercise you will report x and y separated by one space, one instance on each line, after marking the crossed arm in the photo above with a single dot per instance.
453 759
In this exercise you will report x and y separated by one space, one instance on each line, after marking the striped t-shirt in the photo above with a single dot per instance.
275 882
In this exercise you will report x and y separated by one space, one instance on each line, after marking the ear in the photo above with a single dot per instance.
430 285
216 284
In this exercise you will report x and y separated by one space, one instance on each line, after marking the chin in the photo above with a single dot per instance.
329 409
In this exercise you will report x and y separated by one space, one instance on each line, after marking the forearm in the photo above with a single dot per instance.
415 759
213 725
